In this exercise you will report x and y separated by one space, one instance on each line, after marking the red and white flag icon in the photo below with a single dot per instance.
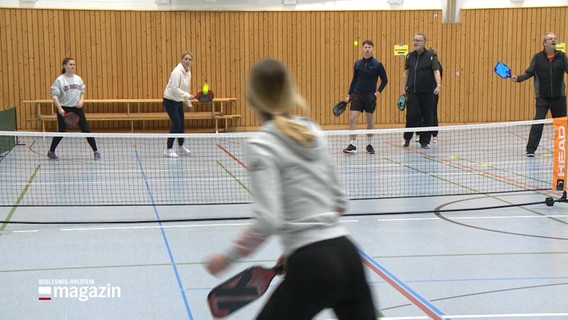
44 293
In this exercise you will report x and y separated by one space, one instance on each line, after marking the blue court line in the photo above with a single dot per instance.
159 220
402 288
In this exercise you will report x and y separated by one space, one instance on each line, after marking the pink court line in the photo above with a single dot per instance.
423 304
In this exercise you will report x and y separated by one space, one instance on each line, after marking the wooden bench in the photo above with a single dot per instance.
134 113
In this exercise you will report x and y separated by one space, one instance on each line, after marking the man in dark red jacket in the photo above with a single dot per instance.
548 67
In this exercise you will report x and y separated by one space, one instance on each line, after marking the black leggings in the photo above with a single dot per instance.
326 274
62 127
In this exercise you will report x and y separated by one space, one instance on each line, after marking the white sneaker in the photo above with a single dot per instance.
183 150
170 153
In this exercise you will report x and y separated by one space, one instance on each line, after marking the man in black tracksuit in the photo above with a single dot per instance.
548 68
421 74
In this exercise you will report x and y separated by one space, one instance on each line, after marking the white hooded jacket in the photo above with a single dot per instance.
296 192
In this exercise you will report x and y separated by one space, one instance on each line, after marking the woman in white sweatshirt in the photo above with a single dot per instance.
68 92
175 94
298 197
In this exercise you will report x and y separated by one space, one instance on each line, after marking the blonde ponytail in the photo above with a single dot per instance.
294 130
271 91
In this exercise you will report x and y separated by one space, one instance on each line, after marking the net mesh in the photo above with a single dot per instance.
467 159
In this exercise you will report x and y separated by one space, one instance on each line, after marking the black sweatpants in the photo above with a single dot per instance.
326 274
419 112
557 108
62 127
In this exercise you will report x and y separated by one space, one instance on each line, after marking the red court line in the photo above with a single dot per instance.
232 156
403 289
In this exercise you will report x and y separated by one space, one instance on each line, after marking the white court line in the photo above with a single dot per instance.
165 227
154 227
512 316
244 224
485 316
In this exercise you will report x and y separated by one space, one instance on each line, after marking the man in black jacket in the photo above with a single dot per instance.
421 74
548 67
363 93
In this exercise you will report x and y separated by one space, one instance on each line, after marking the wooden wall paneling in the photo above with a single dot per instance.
15 75
130 54
395 65
247 52
31 46
384 42
304 67
327 73
452 79
235 70
466 65
505 87
31 58
23 48
472 76
318 95
113 53
481 55
52 61
4 35
105 62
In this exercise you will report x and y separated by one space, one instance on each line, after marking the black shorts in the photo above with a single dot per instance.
363 102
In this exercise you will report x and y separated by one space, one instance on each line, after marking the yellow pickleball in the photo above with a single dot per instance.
355 43
205 89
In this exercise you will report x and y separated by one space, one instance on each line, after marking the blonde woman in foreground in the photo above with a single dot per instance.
298 197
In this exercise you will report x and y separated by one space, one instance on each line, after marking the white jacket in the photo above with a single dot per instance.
177 88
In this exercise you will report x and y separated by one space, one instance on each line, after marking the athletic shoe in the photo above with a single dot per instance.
183 150
434 140
97 155
170 153
406 143
370 149
417 138
350 149
530 154
425 146
51 155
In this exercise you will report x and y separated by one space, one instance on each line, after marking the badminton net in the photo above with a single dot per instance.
132 171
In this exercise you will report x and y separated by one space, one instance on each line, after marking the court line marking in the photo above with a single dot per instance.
232 156
482 173
484 316
164 236
244 224
454 221
165 227
518 315
402 288
20 197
